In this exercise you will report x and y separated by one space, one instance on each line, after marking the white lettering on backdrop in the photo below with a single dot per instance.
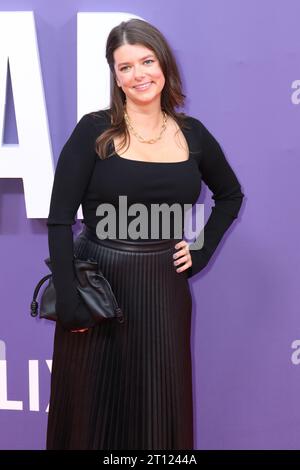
31 159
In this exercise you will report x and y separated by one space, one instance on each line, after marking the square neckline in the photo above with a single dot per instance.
148 161
159 163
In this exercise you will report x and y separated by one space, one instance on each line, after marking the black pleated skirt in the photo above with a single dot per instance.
124 386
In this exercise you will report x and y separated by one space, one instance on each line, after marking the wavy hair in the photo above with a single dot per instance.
137 31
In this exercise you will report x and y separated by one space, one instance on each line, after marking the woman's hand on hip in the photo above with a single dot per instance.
80 331
182 256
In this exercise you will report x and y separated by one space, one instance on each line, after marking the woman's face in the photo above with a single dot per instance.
136 65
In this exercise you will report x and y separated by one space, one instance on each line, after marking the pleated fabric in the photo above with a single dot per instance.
124 386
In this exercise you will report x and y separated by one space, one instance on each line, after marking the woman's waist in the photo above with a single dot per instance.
129 244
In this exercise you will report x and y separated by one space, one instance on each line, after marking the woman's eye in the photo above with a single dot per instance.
126 66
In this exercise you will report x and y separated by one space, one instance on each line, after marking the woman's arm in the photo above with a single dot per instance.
73 171
222 181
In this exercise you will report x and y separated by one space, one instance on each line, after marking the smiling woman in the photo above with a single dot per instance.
143 73
129 386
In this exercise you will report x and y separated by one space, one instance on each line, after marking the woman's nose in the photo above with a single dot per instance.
139 73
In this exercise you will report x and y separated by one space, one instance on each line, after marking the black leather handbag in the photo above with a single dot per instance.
94 289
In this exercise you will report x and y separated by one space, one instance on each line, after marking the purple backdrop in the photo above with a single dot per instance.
240 64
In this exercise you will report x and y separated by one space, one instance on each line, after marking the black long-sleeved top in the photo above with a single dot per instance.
81 177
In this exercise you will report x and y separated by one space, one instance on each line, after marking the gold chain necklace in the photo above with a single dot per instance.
139 137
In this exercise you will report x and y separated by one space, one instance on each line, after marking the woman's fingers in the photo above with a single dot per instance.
182 256
79 331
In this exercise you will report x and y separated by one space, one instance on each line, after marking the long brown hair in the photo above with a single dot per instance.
136 31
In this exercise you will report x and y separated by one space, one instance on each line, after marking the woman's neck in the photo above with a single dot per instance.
148 117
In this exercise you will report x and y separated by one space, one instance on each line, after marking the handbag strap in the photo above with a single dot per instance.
34 304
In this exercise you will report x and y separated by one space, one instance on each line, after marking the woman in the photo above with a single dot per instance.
129 386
